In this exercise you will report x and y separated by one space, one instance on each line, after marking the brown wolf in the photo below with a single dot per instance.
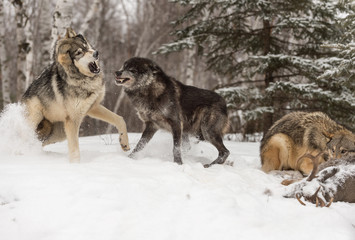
68 90
165 103
297 134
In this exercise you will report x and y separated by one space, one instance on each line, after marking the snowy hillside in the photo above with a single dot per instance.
110 196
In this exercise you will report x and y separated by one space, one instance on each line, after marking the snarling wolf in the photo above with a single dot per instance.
68 90
165 103
297 135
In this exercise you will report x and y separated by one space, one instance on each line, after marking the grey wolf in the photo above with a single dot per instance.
289 142
335 181
68 90
165 103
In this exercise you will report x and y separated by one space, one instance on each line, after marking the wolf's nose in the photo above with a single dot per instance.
96 54
118 73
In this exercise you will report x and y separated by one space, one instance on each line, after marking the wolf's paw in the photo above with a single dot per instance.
179 162
74 157
207 165
177 159
124 142
229 163
125 147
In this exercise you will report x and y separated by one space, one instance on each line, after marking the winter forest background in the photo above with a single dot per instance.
265 57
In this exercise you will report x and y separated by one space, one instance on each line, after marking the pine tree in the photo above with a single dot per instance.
339 78
267 50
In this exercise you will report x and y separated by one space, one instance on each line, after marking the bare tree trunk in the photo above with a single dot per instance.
190 67
62 17
121 94
268 117
3 60
91 19
29 53
23 47
147 18
45 30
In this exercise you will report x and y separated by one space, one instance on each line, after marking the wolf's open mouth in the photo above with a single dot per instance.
94 68
121 80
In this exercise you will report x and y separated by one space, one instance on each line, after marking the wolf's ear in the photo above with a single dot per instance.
70 33
328 136
63 55
156 69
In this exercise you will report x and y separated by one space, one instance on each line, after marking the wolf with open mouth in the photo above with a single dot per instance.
163 102
68 90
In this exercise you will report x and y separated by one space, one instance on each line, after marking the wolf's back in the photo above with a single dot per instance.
42 86
296 124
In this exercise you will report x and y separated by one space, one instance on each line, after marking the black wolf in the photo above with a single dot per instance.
68 90
165 103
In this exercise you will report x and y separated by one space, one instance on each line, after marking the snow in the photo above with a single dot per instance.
110 196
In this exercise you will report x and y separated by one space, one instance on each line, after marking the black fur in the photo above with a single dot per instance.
165 103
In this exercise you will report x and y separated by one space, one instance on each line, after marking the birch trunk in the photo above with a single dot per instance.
5 73
29 53
91 20
146 22
62 17
23 47
190 67
45 30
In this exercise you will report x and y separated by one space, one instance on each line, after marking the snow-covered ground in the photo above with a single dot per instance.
110 196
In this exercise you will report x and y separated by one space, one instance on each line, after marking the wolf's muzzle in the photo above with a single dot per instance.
94 68
119 79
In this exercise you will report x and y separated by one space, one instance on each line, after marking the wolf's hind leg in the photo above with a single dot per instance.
270 159
34 114
223 152
214 136
57 134
100 112
213 126
44 130
276 153
185 142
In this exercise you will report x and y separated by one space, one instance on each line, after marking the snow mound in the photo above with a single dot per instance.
17 136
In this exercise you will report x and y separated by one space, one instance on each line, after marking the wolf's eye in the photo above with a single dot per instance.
79 52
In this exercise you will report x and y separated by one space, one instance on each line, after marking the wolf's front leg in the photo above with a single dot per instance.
71 128
177 136
147 135
100 112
